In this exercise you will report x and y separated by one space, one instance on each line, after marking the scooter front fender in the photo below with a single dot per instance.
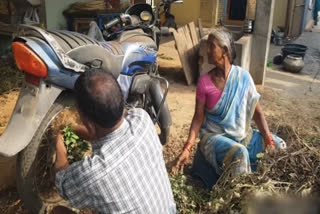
32 105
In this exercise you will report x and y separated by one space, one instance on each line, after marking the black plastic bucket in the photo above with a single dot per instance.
294 49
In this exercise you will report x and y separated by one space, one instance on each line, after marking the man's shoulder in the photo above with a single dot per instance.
140 122
137 114
138 111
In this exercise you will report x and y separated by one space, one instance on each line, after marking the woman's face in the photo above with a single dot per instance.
215 52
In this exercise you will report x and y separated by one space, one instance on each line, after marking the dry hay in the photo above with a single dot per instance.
291 172
11 77
66 117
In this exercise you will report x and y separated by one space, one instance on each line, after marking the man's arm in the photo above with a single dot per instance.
82 132
70 179
61 154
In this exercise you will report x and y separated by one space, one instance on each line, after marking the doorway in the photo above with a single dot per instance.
295 17
236 12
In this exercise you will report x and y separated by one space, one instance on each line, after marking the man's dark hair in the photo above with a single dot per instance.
99 97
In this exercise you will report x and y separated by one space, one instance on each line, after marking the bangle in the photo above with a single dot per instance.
188 146
269 140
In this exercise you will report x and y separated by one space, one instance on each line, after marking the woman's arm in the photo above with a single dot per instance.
261 122
196 123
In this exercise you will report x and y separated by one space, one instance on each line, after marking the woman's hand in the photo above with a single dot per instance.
197 121
183 158
261 122
269 142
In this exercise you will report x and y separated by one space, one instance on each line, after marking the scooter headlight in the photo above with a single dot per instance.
145 16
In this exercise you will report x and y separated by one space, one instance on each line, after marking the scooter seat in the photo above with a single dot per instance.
137 36
87 51
92 55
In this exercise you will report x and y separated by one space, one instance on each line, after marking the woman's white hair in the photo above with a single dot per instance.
225 41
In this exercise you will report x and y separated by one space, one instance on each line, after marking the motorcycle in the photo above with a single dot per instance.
167 18
52 61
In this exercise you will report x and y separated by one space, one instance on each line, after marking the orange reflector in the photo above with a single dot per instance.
28 61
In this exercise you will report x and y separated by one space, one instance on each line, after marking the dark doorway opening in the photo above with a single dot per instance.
237 9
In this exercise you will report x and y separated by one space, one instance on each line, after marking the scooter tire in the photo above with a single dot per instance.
26 166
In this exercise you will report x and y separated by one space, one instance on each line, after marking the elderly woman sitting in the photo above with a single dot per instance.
226 102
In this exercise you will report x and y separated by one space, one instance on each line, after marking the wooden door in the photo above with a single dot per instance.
296 13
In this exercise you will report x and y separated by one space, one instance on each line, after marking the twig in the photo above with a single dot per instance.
306 162
302 187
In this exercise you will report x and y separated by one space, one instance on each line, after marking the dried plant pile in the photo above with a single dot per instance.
291 172
11 77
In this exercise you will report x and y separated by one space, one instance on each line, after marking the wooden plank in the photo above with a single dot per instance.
196 46
200 28
193 33
188 37
190 49
182 48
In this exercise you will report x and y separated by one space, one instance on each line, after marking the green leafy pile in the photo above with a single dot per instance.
190 198
76 147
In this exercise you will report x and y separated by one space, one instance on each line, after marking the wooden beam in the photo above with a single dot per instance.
188 38
187 45
181 44
201 33
193 33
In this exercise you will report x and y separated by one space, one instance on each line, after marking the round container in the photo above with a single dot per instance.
278 41
294 49
293 63
278 38
248 26
279 34
278 59
297 46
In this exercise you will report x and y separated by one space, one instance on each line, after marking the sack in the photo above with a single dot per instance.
31 16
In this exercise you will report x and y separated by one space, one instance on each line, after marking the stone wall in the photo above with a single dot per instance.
251 9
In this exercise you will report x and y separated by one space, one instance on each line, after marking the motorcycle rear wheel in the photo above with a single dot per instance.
35 166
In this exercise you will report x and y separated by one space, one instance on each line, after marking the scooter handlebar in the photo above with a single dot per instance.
164 31
112 23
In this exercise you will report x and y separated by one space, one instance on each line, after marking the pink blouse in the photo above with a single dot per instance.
207 92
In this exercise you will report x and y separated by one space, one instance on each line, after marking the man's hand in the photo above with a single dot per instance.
82 132
62 156
183 158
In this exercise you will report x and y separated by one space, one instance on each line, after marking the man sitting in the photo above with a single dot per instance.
126 172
